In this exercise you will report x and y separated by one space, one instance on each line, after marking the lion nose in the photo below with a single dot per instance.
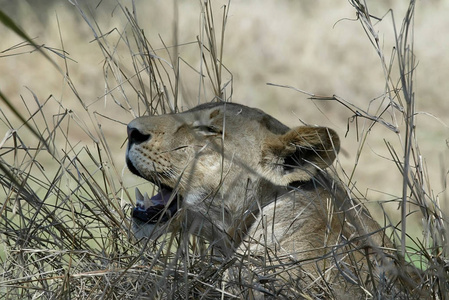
135 136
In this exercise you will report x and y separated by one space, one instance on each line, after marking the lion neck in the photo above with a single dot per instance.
227 223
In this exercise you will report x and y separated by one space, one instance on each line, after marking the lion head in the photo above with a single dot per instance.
221 161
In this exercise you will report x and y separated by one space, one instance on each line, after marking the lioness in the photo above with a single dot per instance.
249 184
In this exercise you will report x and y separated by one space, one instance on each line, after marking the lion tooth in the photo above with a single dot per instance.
147 200
139 196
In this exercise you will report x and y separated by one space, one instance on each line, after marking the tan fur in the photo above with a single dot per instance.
250 184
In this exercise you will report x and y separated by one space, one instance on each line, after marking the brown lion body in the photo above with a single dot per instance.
249 184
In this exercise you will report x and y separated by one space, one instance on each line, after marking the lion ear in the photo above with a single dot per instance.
298 154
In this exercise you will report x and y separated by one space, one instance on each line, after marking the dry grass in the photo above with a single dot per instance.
64 224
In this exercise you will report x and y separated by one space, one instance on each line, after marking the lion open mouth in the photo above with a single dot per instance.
158 209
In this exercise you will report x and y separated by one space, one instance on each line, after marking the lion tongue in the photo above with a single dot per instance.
160 198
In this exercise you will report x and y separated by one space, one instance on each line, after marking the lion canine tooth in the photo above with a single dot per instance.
139 196
143 200
146 200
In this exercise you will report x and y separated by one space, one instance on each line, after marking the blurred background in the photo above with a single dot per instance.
316 46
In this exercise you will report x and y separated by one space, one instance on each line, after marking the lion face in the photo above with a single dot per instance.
220 158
